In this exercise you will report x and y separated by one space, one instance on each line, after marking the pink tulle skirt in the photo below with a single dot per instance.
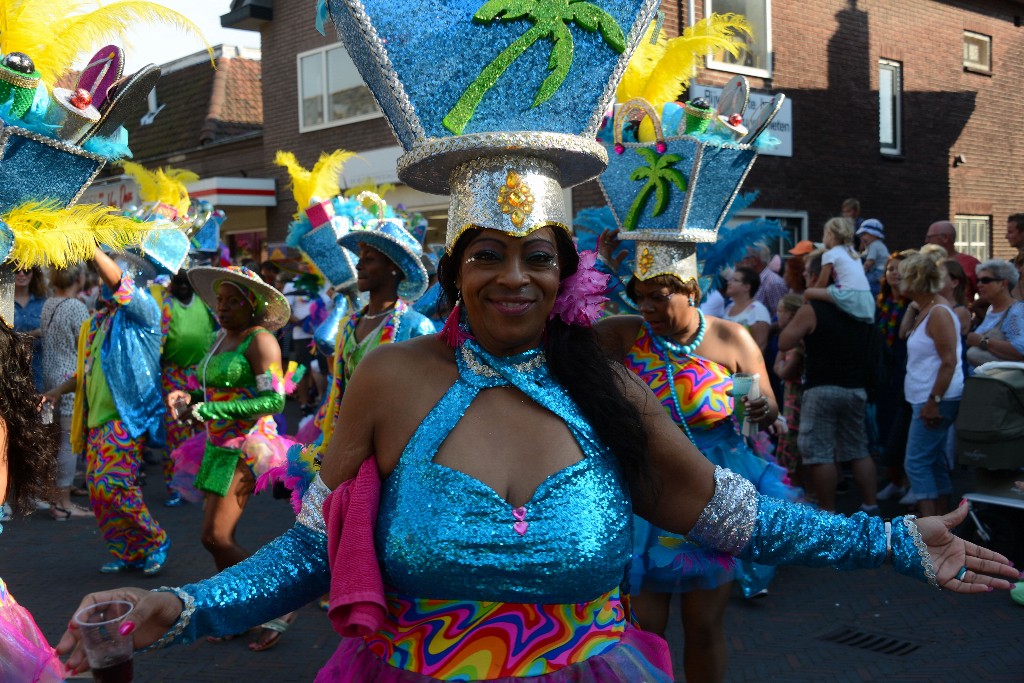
639 656
25 656
258 451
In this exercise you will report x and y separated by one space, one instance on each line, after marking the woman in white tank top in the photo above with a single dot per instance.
933 385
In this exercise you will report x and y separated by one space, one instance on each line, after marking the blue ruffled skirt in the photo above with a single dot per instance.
664 562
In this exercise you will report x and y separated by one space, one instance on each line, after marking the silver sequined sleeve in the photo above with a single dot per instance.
727 523
312 513
741 522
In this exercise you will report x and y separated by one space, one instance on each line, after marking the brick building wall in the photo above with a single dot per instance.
291 32
825 59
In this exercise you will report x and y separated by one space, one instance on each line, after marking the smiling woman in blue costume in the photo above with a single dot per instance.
492 528
494 547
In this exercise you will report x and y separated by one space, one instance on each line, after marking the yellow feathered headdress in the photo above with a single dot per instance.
47 234
321 182
57 33
165 185
380 189
659 71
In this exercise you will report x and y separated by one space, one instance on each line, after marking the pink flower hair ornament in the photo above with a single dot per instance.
581 295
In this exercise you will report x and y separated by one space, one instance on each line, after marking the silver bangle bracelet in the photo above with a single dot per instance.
888 541
181 624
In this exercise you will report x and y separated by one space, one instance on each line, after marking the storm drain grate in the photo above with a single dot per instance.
873 642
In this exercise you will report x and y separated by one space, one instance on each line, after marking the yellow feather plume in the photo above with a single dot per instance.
643 61
660 73
165 185
57 34
369 186
46 234
320 182
672 74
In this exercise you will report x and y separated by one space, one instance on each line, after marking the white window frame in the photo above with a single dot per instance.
984 42
894 148
977 243
322 51
719 65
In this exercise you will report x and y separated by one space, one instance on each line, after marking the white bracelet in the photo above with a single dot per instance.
195 412
189 608
888 541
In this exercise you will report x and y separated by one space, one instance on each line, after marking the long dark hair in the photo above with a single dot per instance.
31 446
579 364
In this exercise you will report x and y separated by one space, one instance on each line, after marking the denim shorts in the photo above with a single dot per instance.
832 425
926 464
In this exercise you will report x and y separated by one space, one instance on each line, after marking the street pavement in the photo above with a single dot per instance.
814 625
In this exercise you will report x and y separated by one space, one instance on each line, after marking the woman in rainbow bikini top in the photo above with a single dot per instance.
688 359
500 541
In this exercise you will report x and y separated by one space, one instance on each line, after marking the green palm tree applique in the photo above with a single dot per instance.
658 173
550 19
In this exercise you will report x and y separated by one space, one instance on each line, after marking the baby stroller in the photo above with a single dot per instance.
990 439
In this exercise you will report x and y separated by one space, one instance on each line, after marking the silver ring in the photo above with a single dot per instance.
962 573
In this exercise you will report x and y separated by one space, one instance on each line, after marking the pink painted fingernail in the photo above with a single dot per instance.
963 501
126 628
990 589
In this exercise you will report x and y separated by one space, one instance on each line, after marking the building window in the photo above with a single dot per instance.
890 106
331 91
972 235
977 52
755 57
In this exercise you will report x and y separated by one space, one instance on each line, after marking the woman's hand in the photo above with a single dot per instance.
985 570
153 615
973 339
930 414
607 243
177 398
758 409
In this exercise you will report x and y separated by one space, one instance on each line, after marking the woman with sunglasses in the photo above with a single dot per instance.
1000 336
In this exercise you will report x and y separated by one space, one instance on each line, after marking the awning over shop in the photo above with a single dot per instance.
220 191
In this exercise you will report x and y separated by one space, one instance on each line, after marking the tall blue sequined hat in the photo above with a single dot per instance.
508 119
316 232
675 192
679 187
168 244
389 236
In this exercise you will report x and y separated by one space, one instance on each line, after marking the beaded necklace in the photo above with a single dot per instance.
666 347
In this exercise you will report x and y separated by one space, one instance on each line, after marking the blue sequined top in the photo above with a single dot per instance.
443 534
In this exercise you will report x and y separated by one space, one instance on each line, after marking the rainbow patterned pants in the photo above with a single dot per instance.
174 378
112 470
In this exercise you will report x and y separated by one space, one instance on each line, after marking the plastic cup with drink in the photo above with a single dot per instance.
748 385
107 639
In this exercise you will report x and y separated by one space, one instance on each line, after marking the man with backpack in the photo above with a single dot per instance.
838 371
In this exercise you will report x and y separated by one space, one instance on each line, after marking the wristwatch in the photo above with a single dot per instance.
983 344
936 397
